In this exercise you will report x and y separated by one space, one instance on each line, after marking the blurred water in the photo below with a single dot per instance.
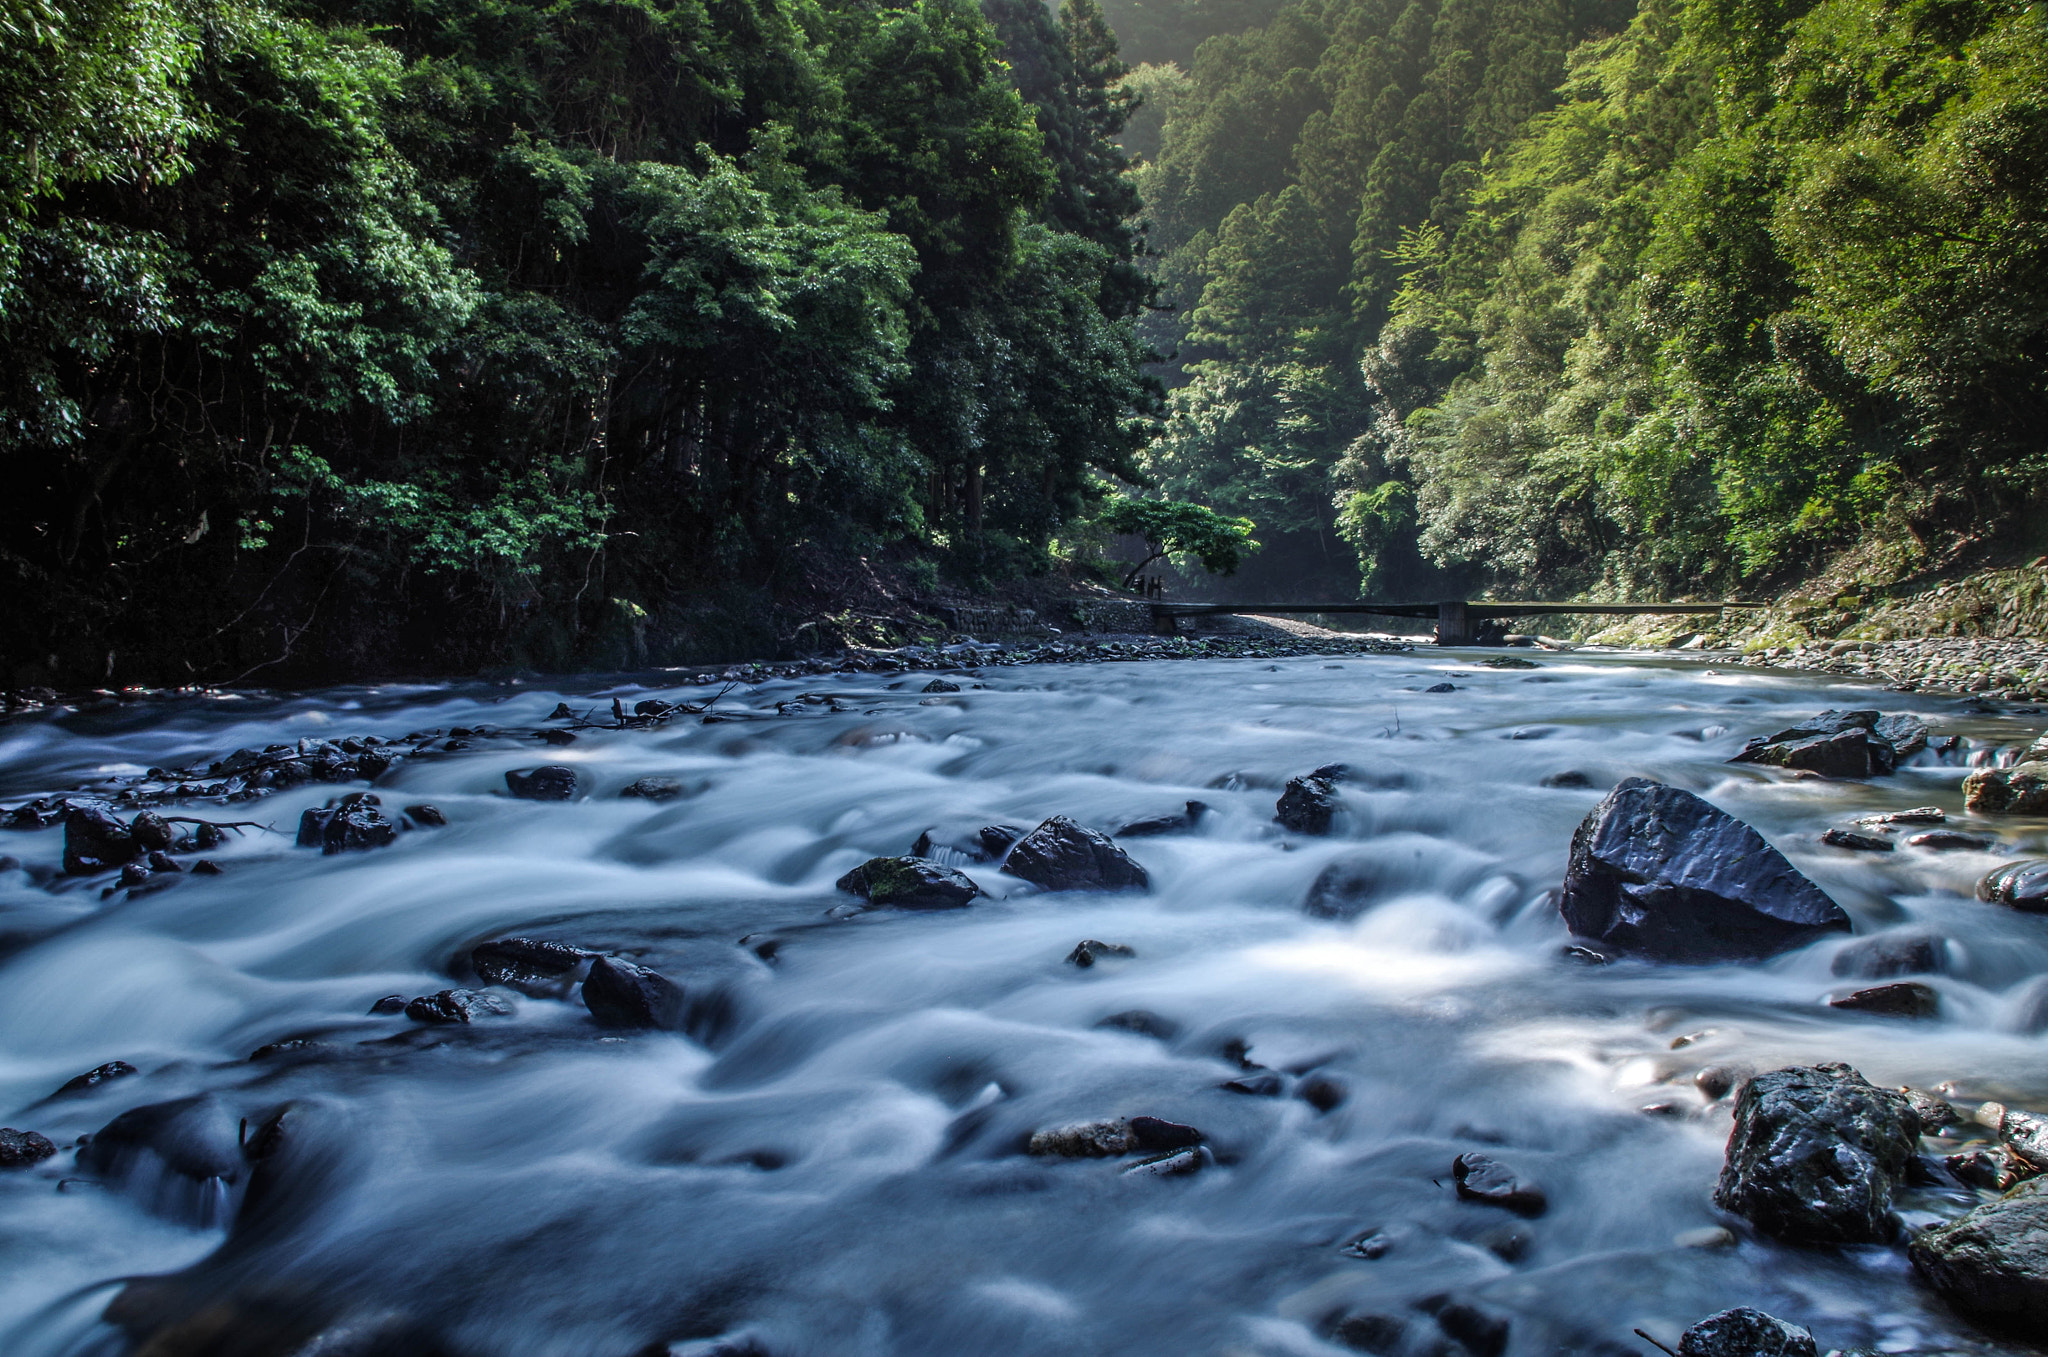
830 1164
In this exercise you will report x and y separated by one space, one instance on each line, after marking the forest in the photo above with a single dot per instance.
350 337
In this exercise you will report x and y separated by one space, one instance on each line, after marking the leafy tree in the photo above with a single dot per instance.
1176 527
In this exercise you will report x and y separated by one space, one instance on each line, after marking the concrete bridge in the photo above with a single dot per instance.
1455 618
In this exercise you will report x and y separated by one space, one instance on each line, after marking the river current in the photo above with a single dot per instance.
830 1160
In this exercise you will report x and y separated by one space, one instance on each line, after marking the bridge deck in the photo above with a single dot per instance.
1453 616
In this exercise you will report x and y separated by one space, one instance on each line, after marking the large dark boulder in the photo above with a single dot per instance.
552 783
1657 872
620 994
2019 790
1992 1264
1840 744
1060 855
1746 1333
346 828
95 838
910 883
1816 1154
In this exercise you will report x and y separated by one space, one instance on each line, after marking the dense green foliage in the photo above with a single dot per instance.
1176 528
1629 301
367 333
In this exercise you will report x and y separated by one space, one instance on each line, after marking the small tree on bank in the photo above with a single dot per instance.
1173 527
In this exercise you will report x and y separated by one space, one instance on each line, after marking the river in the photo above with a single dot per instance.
829 1161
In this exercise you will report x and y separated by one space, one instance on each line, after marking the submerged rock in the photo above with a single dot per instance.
655 788
21 1149
1309 804
1992 1264
909 883
620 994
1892 954
1816 1154
1657 872
2020 885
2019 790
1084 1140
1746 1333
1482 1178
1165 824
1060 855
429 816
552 783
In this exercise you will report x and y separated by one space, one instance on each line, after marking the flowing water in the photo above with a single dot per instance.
830 1160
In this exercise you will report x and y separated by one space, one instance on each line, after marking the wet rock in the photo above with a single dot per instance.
1088 951
1948 840
1060 855
1482 1178
655 789
1901 999
456 1005
1933 1113
1893 954
1816 1154
552 783
1309 804
1839 744
428 815
1172 1164
620 994
2019 885
205 867
2019 790
1657 872
389 1004
939 685
1142 1021
533 966
1992 1264
94 1077
995 840
1084 1140
909 883
1859 843
346 828
1441 688
1746 1333
1569 778
1165 824
1156 1133
2024 1133
95 838
1716 1082
21 1149
289 1046
152 833
1266 1085
1995 1169
1918 815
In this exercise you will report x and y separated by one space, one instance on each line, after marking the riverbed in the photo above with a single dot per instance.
829 1158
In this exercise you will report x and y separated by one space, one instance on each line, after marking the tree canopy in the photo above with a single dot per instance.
1176 528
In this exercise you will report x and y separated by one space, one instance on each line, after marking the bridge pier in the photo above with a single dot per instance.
1453 625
